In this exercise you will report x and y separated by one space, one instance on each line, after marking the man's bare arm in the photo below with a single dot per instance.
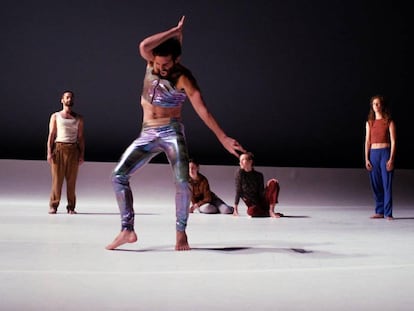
148 44
195 97
51 138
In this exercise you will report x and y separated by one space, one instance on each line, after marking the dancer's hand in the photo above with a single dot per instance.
232 146
390 165
179 29
368 165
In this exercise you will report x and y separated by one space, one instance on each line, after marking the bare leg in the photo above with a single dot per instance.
181 242
272 212
272 195
274 215
125 236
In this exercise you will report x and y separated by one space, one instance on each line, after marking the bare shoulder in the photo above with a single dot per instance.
185 79
53 116
392 126
77 116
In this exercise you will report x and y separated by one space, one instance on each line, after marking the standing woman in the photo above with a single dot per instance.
380 142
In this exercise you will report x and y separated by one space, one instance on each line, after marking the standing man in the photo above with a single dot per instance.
65 152
166 85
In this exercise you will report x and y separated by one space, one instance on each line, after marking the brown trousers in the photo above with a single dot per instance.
270 198
64 167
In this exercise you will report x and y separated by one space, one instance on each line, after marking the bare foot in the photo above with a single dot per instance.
125 236
52 210
376 216
274 215
182 243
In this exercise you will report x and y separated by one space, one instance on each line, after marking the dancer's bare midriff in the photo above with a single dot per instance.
157 116
380 145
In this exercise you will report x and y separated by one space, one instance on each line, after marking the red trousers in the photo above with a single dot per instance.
271 195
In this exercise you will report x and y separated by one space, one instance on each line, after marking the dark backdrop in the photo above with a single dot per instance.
291 80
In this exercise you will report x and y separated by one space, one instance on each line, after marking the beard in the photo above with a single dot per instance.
164 73
167 73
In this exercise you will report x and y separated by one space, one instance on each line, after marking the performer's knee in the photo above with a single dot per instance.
118 179
273 184
182 186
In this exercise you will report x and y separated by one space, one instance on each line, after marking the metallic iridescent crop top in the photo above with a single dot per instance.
160 92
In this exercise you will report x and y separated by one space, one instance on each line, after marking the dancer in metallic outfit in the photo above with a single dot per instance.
167 84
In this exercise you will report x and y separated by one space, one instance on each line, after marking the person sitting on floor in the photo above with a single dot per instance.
202 198
260 200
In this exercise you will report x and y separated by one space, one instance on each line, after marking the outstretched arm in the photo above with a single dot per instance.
148 44
194 95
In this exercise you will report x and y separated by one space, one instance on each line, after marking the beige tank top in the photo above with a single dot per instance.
67 129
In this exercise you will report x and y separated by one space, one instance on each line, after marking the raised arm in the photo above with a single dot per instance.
148 44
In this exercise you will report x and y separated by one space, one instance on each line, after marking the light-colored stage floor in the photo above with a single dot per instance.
325 255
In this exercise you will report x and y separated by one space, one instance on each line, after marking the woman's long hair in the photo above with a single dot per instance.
385 112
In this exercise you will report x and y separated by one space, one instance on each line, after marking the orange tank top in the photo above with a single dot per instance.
380 131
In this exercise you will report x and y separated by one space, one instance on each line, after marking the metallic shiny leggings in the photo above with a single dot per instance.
169 139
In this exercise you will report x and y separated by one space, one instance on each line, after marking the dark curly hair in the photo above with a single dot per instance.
171 47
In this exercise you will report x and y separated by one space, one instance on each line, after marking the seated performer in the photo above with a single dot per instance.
260 201
202 198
